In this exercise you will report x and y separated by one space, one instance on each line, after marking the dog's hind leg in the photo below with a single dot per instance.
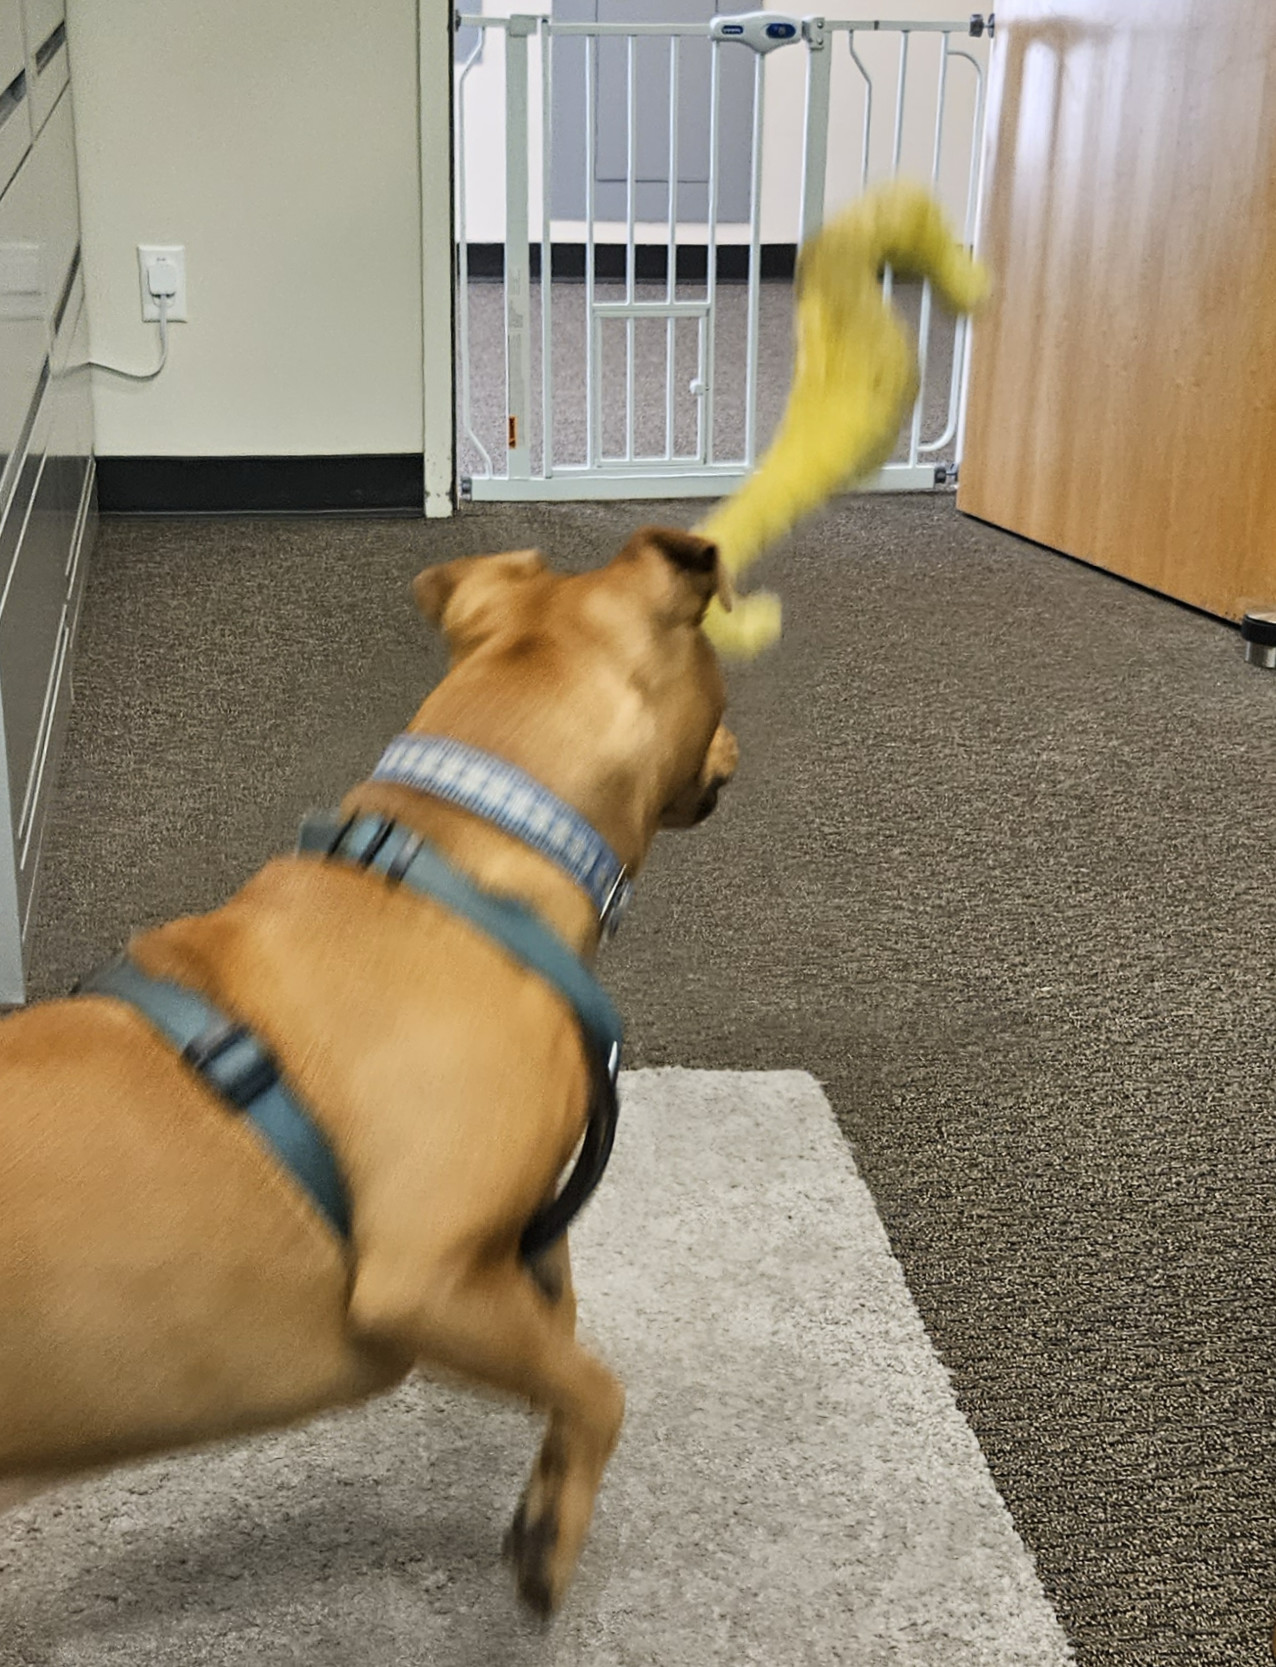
538 1509
496 1326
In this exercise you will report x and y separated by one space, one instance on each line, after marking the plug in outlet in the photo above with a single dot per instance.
162 268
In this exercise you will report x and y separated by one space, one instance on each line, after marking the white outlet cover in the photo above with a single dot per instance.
176 252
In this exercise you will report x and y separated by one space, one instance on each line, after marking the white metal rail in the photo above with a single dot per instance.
710 446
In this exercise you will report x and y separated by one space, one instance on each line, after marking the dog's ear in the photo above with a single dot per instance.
463 595
693 563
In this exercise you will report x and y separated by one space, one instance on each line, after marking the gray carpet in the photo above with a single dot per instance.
996 870
795 1484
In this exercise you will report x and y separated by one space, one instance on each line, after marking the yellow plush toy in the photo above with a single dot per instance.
854 382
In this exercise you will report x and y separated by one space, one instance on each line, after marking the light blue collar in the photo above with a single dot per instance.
517 804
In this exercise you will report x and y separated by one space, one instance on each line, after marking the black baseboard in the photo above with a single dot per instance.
486 262
387 484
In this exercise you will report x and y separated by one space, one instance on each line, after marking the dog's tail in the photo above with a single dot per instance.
854 382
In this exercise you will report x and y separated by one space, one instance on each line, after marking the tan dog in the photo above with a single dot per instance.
164 1281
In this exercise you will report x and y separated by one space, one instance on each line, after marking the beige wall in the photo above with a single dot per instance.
278 141
782 125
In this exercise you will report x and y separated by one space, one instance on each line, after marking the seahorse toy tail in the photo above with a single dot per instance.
854 382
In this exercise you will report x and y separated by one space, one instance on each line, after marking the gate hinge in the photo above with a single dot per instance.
813 33
467 489
980 26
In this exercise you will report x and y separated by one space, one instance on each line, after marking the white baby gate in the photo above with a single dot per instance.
655 360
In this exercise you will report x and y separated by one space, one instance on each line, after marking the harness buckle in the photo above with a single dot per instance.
615 905
403 858
241 1082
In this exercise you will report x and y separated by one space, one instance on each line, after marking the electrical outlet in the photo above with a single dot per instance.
148 254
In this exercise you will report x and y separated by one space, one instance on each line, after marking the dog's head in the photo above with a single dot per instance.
608 668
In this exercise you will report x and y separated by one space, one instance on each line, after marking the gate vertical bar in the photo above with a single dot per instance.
671 253
710 353
631 168
974 215
961 337
755 266
547 252
897 146
593 370
463 260
923 322
815 131
900 87
868 110
518 345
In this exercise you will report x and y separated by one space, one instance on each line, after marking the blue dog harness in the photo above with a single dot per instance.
234 1062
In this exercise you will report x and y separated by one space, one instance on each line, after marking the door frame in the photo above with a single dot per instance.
438 264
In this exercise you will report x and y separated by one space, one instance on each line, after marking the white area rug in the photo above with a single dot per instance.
795 1483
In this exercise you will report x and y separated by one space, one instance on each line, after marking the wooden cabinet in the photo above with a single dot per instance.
47 510
1123 381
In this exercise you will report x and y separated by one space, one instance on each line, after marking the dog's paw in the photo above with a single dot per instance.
529 1546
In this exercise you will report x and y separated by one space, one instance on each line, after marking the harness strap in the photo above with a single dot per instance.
228 1057
386 847
395 851
231 1060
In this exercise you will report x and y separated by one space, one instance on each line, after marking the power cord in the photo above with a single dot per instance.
161 280
143 375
